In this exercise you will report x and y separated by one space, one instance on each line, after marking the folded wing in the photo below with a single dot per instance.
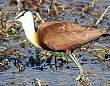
63 35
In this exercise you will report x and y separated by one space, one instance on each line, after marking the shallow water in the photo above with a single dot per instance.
98 72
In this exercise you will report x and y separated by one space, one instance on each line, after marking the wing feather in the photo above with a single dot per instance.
63 35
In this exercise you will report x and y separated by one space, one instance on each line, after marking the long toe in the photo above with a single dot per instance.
82 78
82 81
79 77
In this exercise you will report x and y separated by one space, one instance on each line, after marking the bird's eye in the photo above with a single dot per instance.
21 15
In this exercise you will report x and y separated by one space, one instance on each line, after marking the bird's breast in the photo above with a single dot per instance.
34 39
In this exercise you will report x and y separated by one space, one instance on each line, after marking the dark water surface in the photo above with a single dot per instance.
98 72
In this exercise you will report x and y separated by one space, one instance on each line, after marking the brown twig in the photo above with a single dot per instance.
55 10
19 4
38 15
93 3
37 81
101 17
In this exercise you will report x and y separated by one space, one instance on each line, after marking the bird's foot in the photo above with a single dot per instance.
82 78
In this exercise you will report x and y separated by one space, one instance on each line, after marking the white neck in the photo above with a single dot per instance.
28 27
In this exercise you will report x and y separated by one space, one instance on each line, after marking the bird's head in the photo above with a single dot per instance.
26 19
24 16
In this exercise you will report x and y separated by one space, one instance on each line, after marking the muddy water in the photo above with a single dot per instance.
98 72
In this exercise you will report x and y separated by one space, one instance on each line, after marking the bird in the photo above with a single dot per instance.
58 36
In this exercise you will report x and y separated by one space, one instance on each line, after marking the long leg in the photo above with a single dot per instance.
81 73
72 56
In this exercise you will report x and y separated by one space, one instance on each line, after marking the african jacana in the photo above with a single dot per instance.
58 36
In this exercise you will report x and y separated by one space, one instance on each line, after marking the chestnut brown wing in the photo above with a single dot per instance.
63 35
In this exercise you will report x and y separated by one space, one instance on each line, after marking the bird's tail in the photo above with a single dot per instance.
108 31
105 32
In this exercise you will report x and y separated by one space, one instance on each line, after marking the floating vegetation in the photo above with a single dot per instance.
84 58
20 61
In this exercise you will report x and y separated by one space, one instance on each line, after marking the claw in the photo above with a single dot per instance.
82 78
79 78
